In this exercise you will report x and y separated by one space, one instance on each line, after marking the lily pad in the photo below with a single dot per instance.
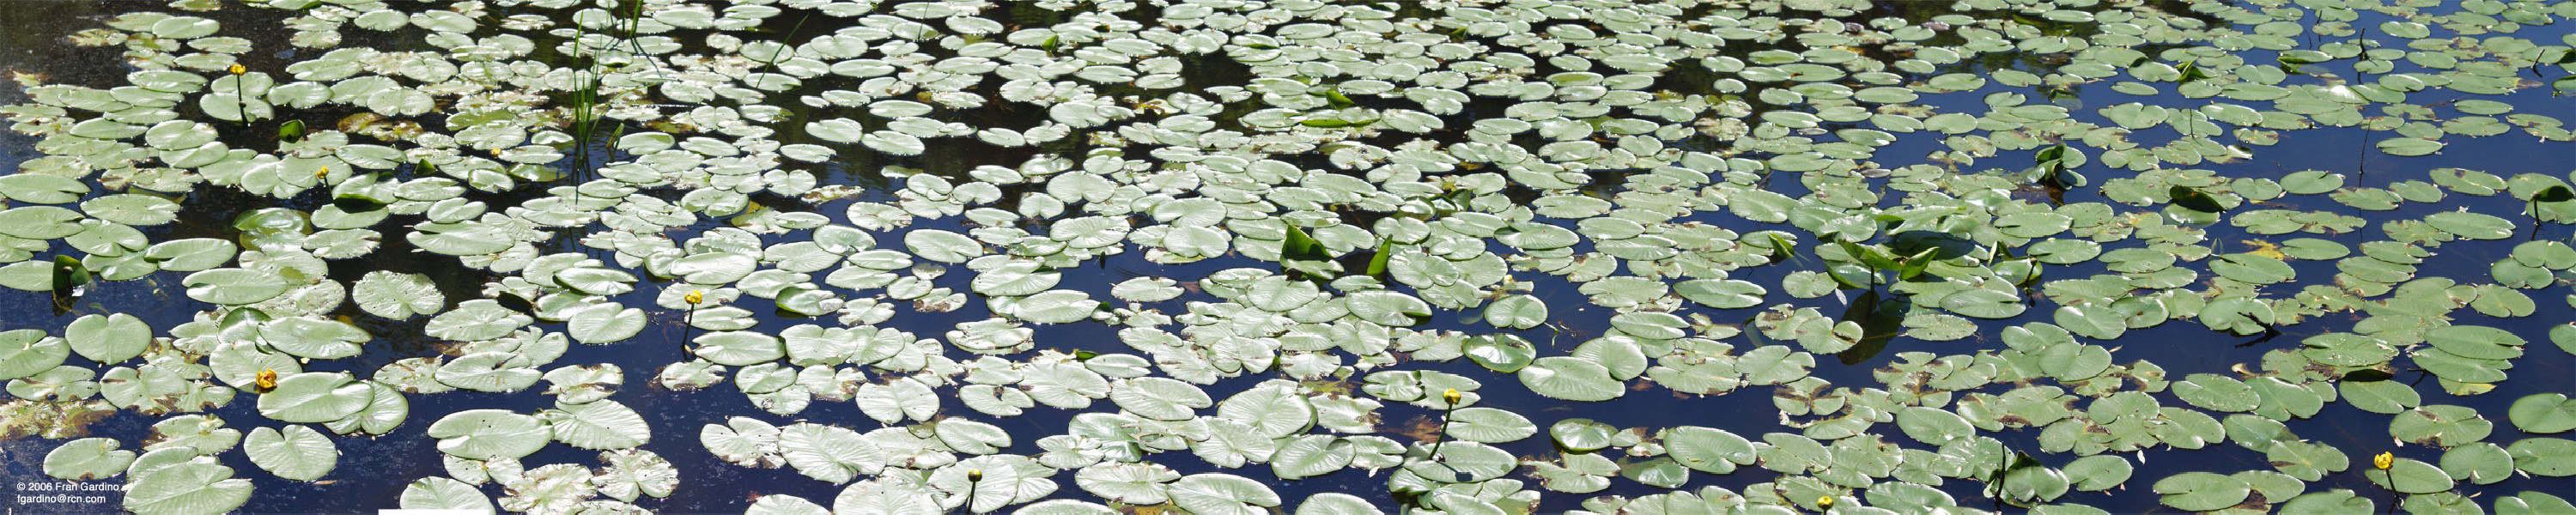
1572 379
1222 494
1489 425
86 459
2201 491
2544 413
297 452
313 397
484 434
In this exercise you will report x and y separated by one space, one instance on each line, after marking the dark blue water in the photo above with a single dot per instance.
373 470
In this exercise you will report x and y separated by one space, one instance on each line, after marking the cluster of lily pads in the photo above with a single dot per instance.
1330 200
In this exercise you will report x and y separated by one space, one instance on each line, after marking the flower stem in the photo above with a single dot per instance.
2391 476
1443 437
688 322
2386 462
1449 397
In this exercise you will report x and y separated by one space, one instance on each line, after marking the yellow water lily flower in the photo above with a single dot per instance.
323 173
237 69
694 297
266 380
974 474
1451 396
2384 460
1823 502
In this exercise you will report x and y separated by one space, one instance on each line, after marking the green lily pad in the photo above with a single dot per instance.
2479 463
2412 477
2543 456
442 493
1500 352
599 425
2544 413
1222 493
1572 379
86 459
1488 425
1458 462
2202 491
1516 312
1307 456
484 434
26 352
2409 146
1581 434
1722 294
2098 472
234 286
297 453
314 397
108 339
2440 425
198 485
2532 503
2331 501
1710 450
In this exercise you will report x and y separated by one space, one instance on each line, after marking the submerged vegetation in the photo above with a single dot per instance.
1061 256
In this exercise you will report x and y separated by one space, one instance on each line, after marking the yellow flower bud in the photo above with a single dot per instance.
1826 501
1451 396
237 69
694 297
2384 460
974 474
323 173
266 380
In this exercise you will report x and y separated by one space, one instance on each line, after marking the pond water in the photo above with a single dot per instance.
1225 256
